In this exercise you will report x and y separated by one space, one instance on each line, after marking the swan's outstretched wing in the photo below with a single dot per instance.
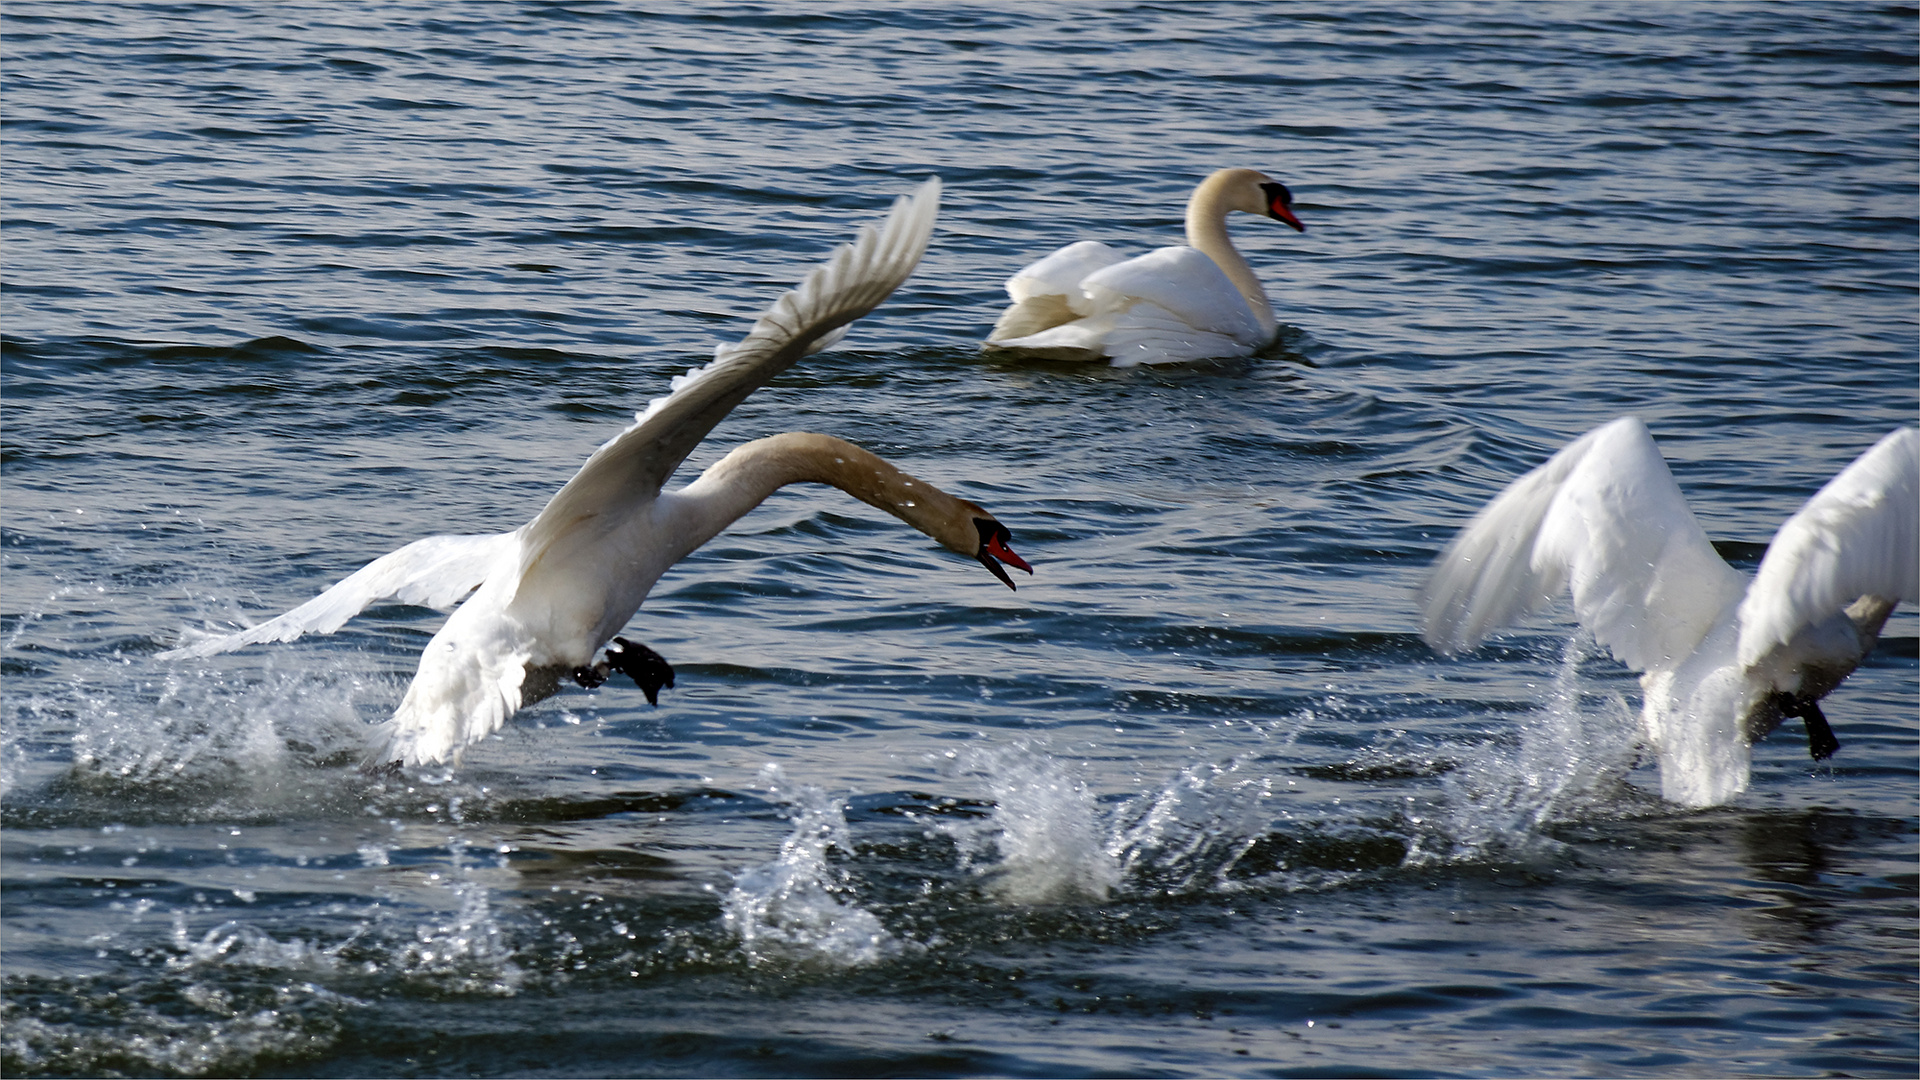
435 572
1858 536
1604 519
635 463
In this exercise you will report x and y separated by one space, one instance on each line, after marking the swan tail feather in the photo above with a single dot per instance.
457 698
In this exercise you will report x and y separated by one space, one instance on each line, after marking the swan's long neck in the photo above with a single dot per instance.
744 478
1207 231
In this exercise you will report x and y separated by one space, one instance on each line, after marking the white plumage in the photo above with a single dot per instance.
1722 659
1089 302
547 595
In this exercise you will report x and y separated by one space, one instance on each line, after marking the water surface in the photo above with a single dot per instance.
289 286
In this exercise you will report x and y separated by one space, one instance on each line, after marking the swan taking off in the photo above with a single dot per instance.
1723 660
546 596
1088 302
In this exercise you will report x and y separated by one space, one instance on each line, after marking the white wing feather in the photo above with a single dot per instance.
1604 519
435 572
1061 273
633 465
1147 333
1183 281
1858 536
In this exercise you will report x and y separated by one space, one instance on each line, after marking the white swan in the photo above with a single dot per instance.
1722 660
1086 301
547 595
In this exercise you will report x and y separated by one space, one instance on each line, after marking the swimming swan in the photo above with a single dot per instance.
1723 660
1086 301
547 595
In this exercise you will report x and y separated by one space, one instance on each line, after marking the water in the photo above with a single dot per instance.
289 286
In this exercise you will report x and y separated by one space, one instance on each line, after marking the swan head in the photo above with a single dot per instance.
1280 204
1248 191
993 549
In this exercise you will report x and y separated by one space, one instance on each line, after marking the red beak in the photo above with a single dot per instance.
1005 554
1285 213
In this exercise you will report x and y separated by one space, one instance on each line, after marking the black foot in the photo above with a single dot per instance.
1820 741
588 678
648 669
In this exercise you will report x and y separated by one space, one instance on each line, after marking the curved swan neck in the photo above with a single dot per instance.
744 478
1217 196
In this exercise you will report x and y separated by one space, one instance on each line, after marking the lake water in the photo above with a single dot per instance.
287 286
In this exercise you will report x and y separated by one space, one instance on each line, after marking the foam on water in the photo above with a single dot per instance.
800 907
196 1002
1046 839
1242 821
1568 762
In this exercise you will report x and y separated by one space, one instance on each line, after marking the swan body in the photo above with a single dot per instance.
1088 302
540 600
1722 659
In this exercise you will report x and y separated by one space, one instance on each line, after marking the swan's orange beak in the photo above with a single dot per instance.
993 546
1280 205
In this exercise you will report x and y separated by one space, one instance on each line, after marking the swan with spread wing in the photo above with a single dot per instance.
1723 660
540 601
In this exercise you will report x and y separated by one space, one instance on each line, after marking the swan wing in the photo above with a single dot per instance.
1603 519
1858 536
634 464
435 572
1061 273
1047 293
1184 282
1147 333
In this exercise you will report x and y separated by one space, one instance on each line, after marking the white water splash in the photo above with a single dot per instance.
1191 832
1570 763
800 907
1047 830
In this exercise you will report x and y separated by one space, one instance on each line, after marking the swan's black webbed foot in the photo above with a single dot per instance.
1820 741
648 669
589 677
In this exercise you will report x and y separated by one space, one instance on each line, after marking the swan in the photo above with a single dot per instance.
1196 302
1722 660
540 600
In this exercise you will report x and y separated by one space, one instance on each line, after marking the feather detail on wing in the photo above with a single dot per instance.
1858 536
1047 293
1084 302
435 572
1185 282
636 463
1604 519
461 694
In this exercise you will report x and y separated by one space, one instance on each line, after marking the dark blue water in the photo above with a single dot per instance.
287 286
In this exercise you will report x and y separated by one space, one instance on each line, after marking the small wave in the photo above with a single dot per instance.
221 1000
